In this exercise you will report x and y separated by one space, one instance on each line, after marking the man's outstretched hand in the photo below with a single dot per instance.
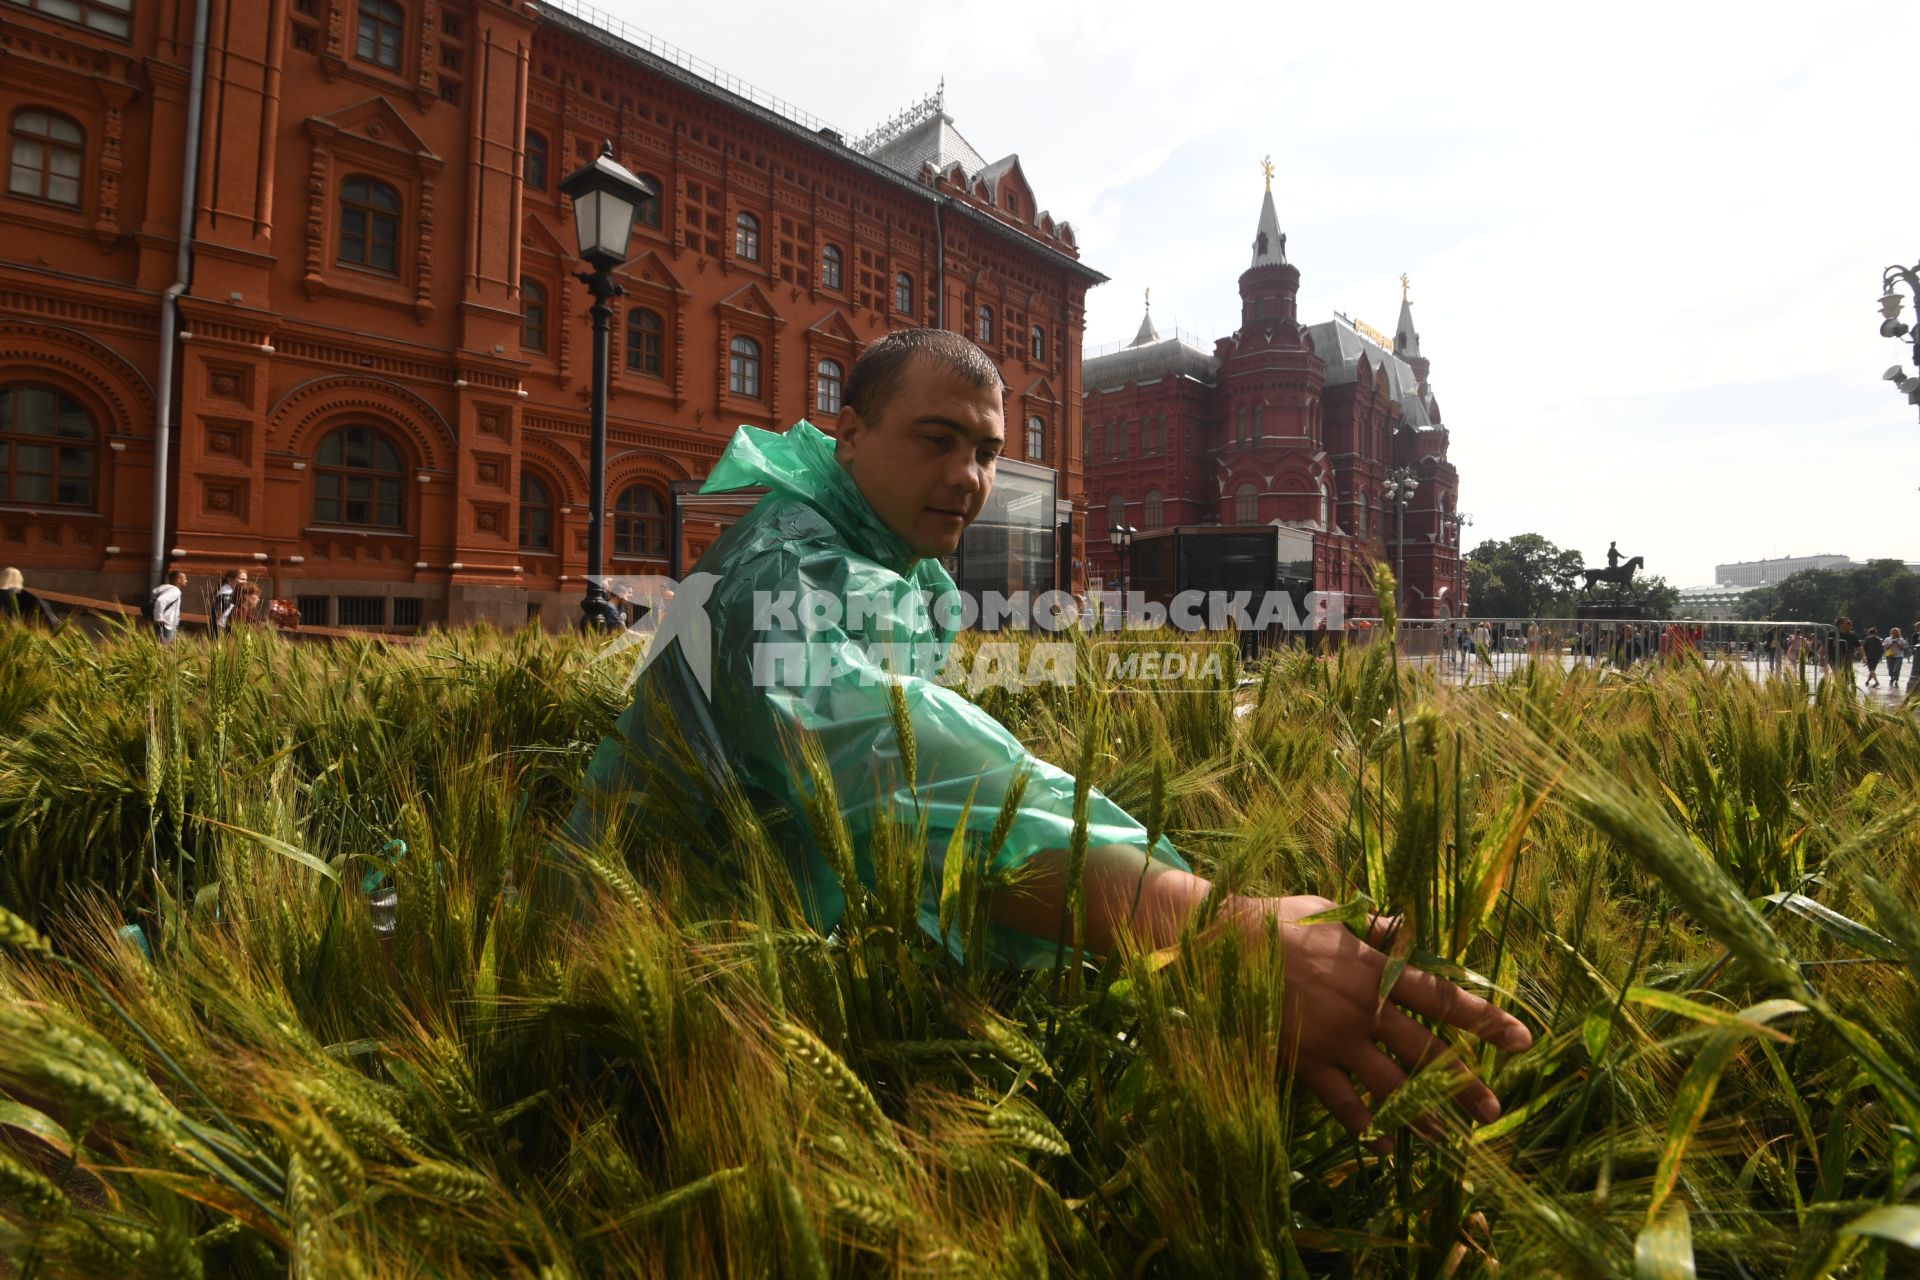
1343 1034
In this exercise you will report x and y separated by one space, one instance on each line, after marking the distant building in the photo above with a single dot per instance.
1281 423
1754 573
1711 604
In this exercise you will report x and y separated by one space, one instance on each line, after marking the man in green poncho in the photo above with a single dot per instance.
808 621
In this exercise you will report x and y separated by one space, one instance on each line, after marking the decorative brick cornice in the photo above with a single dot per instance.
316 403
119 390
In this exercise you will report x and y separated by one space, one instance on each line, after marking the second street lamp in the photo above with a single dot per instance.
1121 535
1400 487
605 196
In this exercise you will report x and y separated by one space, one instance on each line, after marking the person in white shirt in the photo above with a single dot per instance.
166 606
226 598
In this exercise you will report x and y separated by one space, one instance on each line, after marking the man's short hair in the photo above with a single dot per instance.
231 575
876 375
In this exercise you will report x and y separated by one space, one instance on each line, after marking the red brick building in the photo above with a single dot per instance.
376 383
1282 422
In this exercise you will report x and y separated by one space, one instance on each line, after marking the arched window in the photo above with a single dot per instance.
48 152
533 317
369 224
743 368
47 449
1152 514
1037 341
1036 438
114 17
640 523
1113 439
832 381
1120 433
1240 425
1259 422
646 342
903 293
1116 511
831 274
536 514
986 326
358 479
1093 442
381 33
1246 505
536 166
647 213
746 237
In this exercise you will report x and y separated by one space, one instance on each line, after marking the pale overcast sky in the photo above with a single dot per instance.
1645 240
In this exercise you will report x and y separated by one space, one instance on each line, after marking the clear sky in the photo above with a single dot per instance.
1645 240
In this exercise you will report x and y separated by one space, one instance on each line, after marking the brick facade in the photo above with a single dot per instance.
384 345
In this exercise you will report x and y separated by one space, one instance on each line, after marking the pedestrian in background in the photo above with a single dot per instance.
1873 648
17 604
165 610
1897 647
1840 648
226 599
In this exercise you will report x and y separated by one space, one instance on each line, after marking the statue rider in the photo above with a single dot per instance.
1613 555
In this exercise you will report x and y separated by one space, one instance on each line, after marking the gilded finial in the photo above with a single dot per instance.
1266 166
1405 284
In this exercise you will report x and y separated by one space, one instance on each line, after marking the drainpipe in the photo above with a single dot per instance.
940 266
170 301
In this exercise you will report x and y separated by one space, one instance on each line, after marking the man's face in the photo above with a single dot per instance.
926 464
178 579
241 579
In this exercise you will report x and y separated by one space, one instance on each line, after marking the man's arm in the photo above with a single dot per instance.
1332 1003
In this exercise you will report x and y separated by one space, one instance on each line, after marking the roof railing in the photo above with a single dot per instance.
1187 336
679 57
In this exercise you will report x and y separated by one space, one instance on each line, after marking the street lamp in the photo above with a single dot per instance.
1121 536
605 197
1892 326
1400 487
1460 521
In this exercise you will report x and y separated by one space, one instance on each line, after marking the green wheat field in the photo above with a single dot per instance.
1699 891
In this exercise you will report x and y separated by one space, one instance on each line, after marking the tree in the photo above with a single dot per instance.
1880 593
1662 597
1525 576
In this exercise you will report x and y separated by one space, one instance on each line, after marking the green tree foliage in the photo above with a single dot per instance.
1525 576
1662 597
1880 593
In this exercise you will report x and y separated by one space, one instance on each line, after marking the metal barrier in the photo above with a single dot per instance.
1475 648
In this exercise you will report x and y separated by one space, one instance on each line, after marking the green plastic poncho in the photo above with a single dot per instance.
782 663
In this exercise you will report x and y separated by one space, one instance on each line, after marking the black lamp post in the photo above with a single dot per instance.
1460 521
1121 536
1400 487
1892 326
604 197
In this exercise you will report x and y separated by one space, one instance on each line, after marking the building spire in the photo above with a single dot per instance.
1147 332
1269 242
1406 339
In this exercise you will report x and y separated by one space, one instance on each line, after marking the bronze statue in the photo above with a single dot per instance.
1620 574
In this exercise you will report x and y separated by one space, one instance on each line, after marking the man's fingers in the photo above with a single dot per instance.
1417 1048
1380 1074
1381 929
1337 1095
1442 1001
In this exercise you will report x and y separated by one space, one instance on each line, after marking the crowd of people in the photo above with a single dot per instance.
236 602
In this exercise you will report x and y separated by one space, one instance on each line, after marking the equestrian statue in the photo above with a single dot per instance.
1618 572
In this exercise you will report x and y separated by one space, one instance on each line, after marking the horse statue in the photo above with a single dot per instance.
1621 575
